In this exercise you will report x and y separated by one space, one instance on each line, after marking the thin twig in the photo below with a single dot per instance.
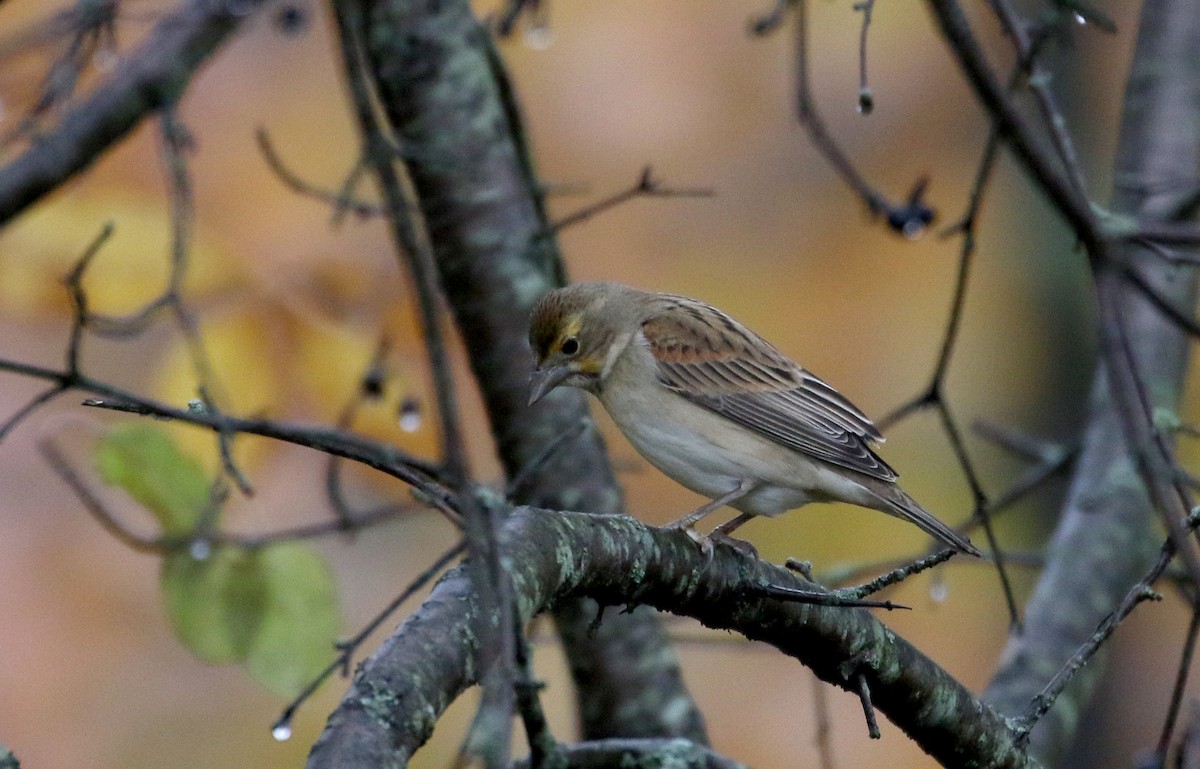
342 200
646 186
1041 163
542 745
897 575
821 597
1141 591
1181 678
866 99
1028 45
370 387
154 73
411 239
176 141
910 218
864 696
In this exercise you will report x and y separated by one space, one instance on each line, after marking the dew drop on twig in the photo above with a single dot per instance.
539 37
200 549
938 589
913 229
410 415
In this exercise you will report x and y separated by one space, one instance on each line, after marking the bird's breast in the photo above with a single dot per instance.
696 448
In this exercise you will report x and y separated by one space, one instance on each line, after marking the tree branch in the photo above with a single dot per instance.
152 75
399 692
1103 542
449 103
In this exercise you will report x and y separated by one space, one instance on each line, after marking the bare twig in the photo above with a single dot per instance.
910 218
866 99
646 186
821 597
408 232
864 696
152 75
543 748
1181 678
74 342
176 141
1142 591
342 200
897 575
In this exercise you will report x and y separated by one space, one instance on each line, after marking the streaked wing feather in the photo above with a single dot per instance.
723 366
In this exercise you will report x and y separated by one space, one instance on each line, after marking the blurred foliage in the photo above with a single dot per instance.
272 608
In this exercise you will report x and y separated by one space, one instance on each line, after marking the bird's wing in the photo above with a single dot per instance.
716 362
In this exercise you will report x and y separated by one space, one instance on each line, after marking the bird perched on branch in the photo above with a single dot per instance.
715 406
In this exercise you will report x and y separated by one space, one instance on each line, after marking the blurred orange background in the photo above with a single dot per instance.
291 309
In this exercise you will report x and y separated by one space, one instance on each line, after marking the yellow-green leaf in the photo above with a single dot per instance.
216 605
141 458
273 609
300 621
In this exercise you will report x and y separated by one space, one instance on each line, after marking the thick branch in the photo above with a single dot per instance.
449 102
1102 543
152 75
399 692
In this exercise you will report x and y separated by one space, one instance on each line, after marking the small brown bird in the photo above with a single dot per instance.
715 406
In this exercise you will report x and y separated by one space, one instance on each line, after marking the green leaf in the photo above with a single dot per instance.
300 622
215 605
273 609
141 458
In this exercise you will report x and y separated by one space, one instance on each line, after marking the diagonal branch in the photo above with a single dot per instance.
152 75
398 693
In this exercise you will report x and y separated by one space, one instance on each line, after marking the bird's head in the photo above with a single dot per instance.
571 333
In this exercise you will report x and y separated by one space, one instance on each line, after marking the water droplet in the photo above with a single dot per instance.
291 19
410 415
913 229
282 731
1079 18
866 101
539 37
938 589
200 549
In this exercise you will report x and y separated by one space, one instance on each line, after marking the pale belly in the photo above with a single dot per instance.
711 459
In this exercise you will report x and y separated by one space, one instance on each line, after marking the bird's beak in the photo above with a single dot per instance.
546 379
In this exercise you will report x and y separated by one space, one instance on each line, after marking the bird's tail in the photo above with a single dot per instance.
903 506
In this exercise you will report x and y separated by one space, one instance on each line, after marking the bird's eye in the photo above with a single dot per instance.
570 346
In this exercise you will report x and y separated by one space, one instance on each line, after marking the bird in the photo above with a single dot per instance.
715 407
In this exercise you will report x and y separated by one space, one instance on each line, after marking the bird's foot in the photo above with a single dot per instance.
704 541
740 545
707 542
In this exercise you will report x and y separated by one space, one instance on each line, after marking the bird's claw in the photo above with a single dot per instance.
740 545
704 541
708 542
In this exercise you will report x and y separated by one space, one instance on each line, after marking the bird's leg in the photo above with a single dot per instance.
744 487
691 519
725 529
722 534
